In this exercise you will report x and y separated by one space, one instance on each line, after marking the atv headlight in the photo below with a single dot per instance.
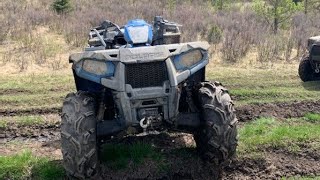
188 59
98 68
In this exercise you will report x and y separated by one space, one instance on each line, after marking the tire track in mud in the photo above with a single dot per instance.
45 128
41 133
36 111
244 113
275 164
47 131
279 110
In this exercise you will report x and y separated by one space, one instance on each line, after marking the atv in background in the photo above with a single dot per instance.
139 78
309 68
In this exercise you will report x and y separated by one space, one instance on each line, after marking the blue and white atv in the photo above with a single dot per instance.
139 78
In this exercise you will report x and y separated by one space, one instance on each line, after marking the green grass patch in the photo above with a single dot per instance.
25 166
312 117
252 85
267 132
22 120
3 124
34 91
36 83
118 156
29 120
32 101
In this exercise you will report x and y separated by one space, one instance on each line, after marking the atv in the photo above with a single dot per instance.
309 68
139 78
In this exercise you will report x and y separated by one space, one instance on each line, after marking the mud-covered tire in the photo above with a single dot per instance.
216 140
306 72
78 136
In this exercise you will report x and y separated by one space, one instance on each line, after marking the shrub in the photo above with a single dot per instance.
61 6
289 45
236 29
240 29
270 48
3 32
215 35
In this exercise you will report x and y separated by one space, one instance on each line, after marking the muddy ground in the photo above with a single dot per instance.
283 110
244 112
43 140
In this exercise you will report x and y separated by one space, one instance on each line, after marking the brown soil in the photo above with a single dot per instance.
48 148
14 112
274 164
14 91
16 131
278 110
42 139
182 162
41 133
245 113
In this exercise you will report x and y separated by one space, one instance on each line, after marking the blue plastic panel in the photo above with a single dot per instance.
140 25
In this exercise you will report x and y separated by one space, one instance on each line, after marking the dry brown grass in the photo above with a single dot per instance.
41 51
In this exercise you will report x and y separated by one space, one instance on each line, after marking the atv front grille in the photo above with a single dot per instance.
142 75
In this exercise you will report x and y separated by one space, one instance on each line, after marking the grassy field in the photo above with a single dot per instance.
29 120
34 91
250 85
246 85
